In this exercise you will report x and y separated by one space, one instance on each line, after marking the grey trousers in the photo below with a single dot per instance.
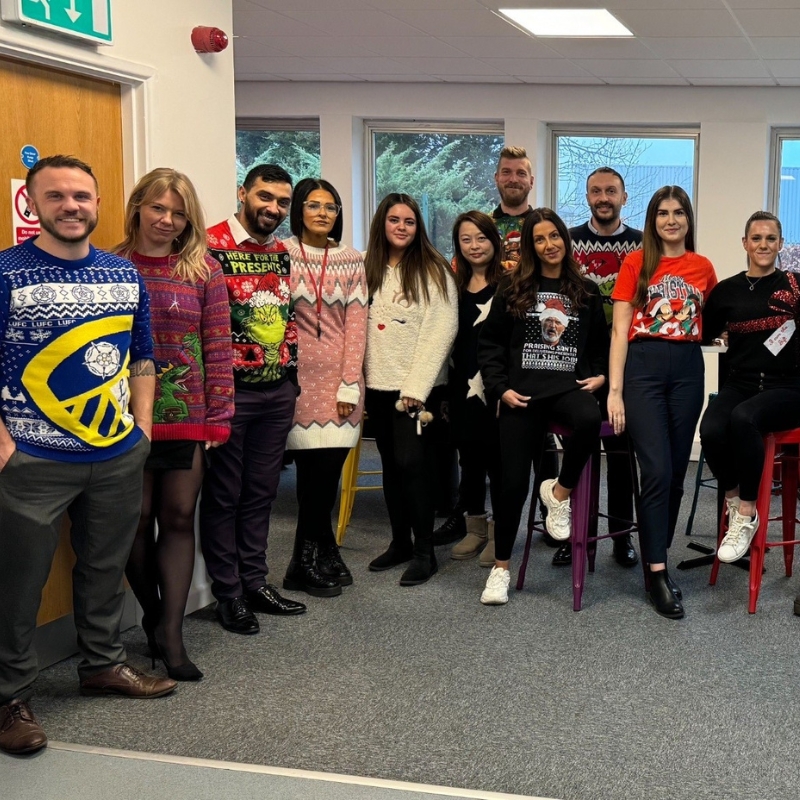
104 500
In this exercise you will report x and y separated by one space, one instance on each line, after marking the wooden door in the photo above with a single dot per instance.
58 112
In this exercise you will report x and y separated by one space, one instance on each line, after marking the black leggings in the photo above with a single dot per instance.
479 459
522 434
318 474
733 427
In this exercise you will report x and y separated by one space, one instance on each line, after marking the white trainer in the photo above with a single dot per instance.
732 502
741 531
496 591
558 521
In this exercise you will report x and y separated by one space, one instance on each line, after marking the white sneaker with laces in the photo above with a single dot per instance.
732 502
558 520
741 531
496 591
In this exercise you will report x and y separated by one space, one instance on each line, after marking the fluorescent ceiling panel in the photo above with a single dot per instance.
567 22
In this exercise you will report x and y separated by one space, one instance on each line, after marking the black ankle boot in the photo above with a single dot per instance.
396 553
421 569
662 596
304 576
453 529
331 564
674 588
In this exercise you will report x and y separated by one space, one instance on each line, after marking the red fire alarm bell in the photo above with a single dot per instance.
209 40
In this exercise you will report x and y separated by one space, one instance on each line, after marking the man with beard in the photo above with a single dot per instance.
514 181
601 245
241 482
77 376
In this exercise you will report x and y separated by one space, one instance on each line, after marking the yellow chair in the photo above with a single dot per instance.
350 476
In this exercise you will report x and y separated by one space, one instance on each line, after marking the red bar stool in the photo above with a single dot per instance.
585 504
788 517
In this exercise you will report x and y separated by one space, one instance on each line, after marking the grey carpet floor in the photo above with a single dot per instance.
426 685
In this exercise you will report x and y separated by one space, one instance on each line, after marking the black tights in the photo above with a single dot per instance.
160 568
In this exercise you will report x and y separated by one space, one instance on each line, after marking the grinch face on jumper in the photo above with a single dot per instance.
265 325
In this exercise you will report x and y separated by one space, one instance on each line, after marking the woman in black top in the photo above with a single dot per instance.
759 308
543 351
473 422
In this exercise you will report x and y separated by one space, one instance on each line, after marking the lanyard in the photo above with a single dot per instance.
317 287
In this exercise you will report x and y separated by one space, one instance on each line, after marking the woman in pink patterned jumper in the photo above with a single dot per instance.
330 302
190 316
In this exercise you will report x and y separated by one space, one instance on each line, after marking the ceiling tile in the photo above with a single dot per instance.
312 6
275 64
678 5
246 46
323 78
789 81
537 67
720 69
259 76
600 48
587 79
404 78
777 47
784 69
731 81
447 66
631 81
367 22
622 68
322 47
519 45
661 22
425 5
479 79
784 22
701 48
466 23
410 46
252 19
767 4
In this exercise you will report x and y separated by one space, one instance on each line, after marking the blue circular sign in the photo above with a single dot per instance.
29 155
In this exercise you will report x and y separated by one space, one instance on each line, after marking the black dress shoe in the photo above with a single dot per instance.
266 600
420 570
563 556
394 555
331 564
662 597
624 554
453 529
236 617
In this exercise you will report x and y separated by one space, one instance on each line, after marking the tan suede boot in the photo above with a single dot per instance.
487 556
474 541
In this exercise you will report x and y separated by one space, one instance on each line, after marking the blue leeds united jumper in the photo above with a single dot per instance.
68 332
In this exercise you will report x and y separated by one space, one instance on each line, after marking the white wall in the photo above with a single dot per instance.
178 105
734 133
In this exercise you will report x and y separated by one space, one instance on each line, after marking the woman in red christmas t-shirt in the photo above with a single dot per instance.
656 372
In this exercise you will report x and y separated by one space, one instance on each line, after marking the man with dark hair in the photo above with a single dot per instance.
241 482
601 245
77 375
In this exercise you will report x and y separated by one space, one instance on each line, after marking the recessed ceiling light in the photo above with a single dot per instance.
567 22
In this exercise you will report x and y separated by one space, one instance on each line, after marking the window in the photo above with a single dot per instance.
445 168
786 194
647 161
291 144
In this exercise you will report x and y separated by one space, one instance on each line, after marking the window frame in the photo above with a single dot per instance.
373 126
621 132
777 137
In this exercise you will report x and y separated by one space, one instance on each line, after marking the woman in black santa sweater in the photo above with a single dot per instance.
759 308
543 353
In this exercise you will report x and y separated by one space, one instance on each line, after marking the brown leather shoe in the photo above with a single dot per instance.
20 731
126 680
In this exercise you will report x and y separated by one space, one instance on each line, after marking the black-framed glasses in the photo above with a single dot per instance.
331 209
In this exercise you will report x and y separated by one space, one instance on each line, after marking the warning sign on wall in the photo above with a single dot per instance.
24 223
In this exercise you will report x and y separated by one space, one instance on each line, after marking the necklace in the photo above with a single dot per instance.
752 284
317 287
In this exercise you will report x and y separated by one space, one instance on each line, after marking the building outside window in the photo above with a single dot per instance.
786 194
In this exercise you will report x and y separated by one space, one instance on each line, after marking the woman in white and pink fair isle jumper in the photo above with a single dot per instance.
329 290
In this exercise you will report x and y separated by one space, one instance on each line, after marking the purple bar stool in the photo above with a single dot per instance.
585 503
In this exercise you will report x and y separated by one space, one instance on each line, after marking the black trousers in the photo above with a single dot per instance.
318 474
733 427
479 459
664 385
522 436
408 461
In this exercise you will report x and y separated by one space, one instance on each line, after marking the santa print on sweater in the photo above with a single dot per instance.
262 315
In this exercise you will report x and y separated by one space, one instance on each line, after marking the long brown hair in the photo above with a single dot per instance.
422 263
523 290
485 224
652 248
190 246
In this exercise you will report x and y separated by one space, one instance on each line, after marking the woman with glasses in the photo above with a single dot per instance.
165 237
657 375
330 303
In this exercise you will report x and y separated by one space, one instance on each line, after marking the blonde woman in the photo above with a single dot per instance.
190 317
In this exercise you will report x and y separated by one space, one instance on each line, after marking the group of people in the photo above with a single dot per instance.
193 358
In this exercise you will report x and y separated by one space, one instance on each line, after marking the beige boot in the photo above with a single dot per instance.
474 541
487 556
